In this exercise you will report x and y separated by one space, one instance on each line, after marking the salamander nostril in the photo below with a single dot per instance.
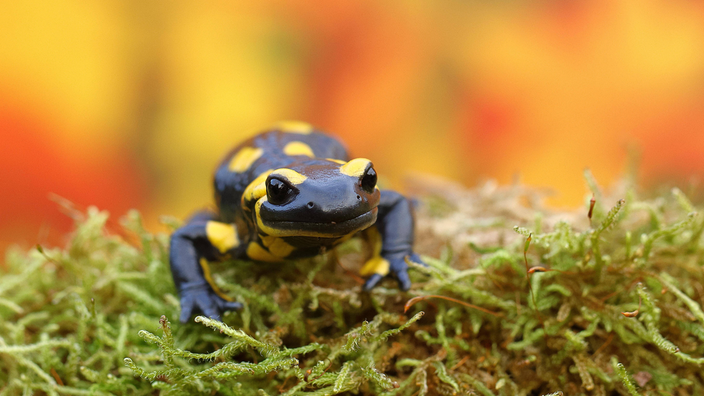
310 205
359 198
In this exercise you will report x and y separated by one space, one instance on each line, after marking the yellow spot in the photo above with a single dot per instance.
298 148
303 128
262 226
209 278
256 252
375 265
290 174
341 162
255 190
245 158
222 235
356 167
277 246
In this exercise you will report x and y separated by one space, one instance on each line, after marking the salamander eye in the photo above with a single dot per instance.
278 192
368 181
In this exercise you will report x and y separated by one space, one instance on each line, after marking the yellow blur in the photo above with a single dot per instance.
152 95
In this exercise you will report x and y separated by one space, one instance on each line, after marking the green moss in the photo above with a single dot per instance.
93 318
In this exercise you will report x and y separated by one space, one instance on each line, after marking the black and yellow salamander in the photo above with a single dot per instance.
287 193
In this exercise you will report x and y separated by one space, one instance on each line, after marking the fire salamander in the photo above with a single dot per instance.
287 193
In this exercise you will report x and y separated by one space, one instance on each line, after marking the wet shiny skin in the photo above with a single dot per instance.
287 193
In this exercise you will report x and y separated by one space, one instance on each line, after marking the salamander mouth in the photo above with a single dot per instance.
312 229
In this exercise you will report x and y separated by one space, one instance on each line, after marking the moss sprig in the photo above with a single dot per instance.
617 305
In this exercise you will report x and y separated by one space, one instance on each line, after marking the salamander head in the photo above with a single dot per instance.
317 198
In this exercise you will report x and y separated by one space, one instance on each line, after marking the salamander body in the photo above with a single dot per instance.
287 193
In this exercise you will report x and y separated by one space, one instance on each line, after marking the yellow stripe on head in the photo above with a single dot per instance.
222 235
341 162
255 190
245 158
260 224
355 168
291 175
298 148
301 127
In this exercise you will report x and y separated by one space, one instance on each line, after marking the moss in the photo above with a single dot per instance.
560 305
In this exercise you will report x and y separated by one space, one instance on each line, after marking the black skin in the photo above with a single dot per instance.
314 216
188 245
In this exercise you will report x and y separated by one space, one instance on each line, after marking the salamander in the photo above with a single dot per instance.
289 192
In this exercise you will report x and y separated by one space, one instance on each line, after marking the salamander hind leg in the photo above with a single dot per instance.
201 239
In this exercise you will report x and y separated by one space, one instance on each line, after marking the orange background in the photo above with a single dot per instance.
126 104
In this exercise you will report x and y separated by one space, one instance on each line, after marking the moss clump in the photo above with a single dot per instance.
566 306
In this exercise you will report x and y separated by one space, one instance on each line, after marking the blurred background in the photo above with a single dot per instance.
130 104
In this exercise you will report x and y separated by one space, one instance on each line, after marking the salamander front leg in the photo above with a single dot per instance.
192 246
395 227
